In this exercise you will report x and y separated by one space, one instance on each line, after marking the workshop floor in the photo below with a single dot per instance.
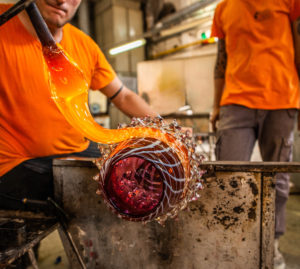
52 254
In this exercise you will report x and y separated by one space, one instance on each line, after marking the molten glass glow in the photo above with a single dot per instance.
69 90
134 186
151 173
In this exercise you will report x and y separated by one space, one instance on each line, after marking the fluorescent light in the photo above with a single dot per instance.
128 46
184 108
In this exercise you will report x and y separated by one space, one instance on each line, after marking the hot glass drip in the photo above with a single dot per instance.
69 90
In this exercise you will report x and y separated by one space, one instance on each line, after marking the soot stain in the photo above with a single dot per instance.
254 188
238 209
222 187
226 221
233 183
252 213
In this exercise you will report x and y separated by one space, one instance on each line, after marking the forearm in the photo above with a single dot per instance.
218 91
126 100
219 73
133 105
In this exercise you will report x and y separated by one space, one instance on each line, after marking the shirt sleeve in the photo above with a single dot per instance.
103 72
294 9
216 29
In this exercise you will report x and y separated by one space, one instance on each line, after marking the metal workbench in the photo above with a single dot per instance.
230 226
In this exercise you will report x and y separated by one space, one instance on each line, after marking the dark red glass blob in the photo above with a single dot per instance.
134 186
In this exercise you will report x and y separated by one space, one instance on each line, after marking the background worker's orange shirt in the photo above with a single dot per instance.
260 71
30 123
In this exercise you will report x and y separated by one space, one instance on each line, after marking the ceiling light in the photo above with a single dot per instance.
184 108
128 46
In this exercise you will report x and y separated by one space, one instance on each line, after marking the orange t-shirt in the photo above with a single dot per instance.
260 71
30 123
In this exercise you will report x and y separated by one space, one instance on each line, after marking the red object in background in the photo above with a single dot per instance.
134 186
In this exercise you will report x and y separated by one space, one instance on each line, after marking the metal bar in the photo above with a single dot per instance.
62 219
14 10
185 116
32 258
7 257
179 16
267 227
40 26
231 166
187 11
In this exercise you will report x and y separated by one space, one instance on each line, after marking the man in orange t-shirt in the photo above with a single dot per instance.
257 86
32 129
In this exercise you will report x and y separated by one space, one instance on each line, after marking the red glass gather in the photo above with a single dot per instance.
134 186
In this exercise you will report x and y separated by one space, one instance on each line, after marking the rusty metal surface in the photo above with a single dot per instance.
267 219
231 226
262 167
37 228
225 166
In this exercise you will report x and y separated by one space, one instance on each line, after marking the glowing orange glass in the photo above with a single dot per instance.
159 181
69 90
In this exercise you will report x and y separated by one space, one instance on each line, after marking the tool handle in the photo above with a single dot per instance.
40 26
14 10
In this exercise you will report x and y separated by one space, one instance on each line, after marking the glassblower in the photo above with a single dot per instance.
151 170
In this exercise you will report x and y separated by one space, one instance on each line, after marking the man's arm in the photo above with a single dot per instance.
127 101
219 81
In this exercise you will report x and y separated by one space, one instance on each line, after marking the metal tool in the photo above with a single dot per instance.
36 19
63 220
14 10
51 205
40 25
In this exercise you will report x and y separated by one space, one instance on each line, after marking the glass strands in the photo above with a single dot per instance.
139 185
142 179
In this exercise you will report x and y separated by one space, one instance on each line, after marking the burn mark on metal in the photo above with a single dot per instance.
238 209
252 213
227 221
233 183
222 187
237 195
253 187
163 241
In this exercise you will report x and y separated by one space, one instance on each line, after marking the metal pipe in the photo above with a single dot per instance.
40 26
14 10
63 222
179 16
182 14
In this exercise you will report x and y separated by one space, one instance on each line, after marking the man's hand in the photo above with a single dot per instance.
214 118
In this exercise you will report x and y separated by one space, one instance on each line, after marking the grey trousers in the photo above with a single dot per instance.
240 127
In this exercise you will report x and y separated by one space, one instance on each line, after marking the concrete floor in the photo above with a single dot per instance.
52 254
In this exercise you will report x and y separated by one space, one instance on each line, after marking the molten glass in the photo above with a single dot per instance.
142 179
139 186
134 186
69 90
